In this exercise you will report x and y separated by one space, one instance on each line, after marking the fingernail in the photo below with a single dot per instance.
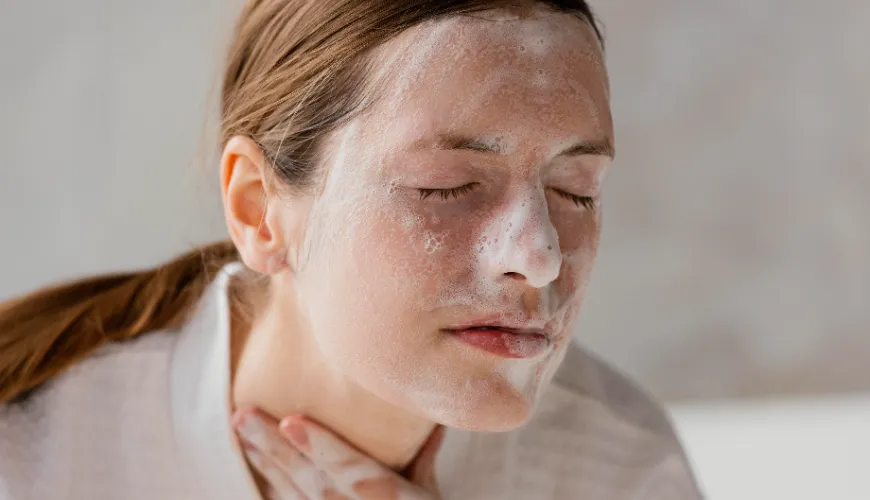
294 428
237 418
251 428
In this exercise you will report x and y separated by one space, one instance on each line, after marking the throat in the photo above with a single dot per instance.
282 371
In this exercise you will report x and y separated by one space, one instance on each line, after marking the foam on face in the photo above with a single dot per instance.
432 241
528 242
522 375
385 271
410 221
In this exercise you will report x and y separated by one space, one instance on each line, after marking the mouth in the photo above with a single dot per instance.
504 341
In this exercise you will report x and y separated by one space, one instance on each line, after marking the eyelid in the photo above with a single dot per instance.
446 193
588 202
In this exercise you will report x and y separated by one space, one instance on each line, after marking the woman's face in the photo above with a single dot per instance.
449 247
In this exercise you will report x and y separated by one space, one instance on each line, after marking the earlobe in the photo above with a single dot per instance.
247 204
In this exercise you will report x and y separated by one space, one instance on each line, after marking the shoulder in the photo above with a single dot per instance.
73 422
586 380
595 435
604 420
110 370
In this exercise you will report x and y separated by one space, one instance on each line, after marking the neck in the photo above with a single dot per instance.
280 369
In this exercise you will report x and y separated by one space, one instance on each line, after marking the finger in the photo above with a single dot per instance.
345 466
262 432
279 485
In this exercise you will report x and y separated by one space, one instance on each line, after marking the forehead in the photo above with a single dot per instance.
495 72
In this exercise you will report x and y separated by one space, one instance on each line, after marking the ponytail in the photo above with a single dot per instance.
45 332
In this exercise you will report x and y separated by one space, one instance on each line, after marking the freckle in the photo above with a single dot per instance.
549 247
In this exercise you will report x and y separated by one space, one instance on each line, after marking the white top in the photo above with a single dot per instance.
150 419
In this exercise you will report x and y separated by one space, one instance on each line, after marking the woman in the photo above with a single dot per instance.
412 190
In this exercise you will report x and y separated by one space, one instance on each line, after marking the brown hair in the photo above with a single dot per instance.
295 72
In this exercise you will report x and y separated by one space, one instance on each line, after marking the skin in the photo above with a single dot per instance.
365 273
300 459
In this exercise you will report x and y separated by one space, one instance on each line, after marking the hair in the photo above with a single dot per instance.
295 72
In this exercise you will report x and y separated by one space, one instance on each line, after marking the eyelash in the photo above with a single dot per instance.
586 202
447 193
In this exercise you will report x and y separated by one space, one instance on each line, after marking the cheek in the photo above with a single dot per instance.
578 233
578 239
390 259
363 285
424 248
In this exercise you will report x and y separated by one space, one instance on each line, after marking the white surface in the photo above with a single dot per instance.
102 130
811 449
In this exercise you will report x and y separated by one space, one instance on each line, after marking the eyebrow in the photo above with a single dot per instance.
600 147
449 141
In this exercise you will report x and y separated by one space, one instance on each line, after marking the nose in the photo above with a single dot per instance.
523 244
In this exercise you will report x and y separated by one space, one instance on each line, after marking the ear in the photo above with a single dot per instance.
250 206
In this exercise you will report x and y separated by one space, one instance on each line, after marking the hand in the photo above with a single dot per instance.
300 460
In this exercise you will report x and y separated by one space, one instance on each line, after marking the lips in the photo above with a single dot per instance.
506 342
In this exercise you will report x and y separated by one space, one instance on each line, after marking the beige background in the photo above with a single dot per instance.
735 257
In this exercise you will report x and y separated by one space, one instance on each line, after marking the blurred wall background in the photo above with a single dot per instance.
736 254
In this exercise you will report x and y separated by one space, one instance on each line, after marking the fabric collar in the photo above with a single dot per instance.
200 398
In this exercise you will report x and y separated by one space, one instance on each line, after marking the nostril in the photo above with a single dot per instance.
516 276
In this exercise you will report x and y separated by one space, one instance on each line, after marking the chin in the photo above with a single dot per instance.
500 408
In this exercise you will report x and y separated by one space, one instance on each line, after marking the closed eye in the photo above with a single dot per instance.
447 193
587 202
